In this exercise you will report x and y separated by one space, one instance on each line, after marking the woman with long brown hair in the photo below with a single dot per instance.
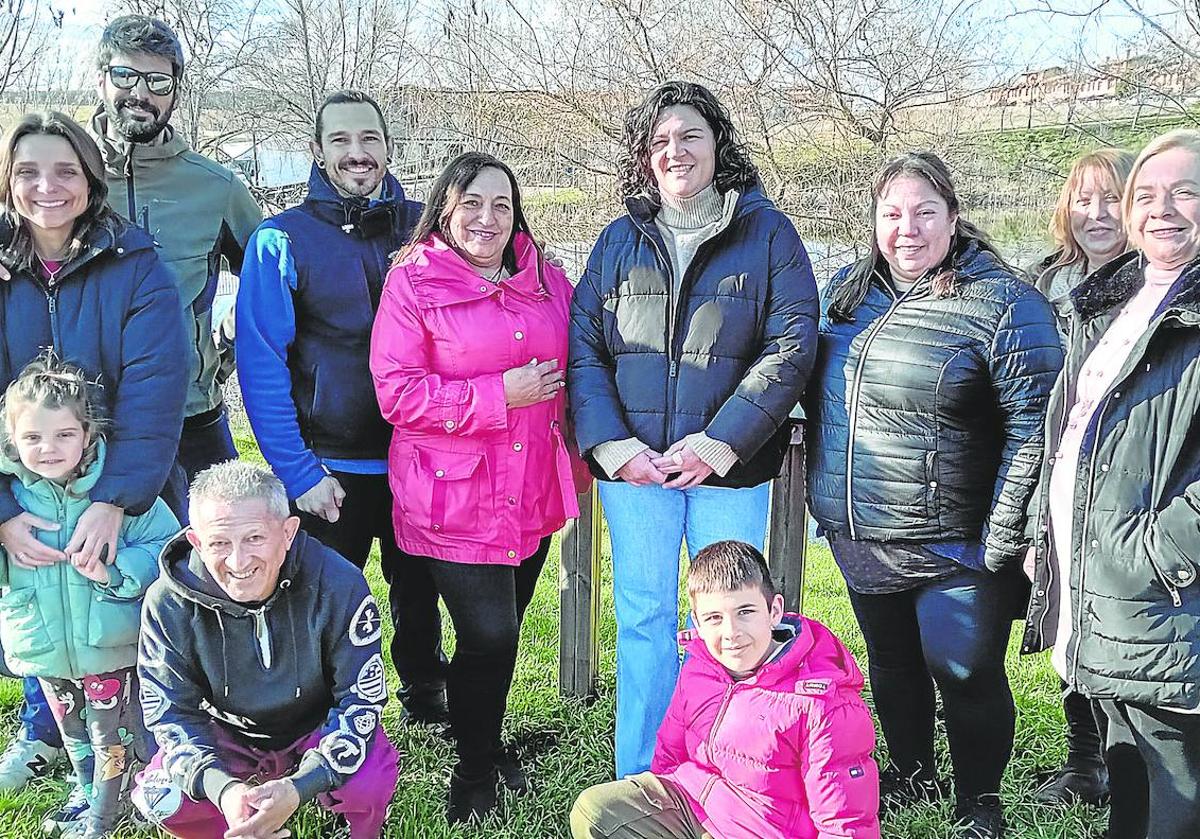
934 364
90 286
467 355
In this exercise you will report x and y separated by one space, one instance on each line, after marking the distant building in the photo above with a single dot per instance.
1115 80
269 163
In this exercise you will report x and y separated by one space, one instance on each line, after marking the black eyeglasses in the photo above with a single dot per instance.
126 78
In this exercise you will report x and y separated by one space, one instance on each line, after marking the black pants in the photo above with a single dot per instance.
1085 746
412 598
1153 758
952 633
487 604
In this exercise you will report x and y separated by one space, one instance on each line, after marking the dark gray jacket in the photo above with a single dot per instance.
729 357
925 414
1136 533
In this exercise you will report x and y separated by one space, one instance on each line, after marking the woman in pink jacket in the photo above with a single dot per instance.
467 354
766 736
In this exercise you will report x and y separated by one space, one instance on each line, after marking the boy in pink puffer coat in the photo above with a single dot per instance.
767 736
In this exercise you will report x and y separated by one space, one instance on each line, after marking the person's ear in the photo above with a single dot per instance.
776 608
318 155
193 538
291 526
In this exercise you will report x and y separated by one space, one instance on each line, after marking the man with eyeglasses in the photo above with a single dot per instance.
198 212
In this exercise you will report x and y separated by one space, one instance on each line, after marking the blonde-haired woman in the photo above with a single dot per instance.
1088 232
1117 524
1086 227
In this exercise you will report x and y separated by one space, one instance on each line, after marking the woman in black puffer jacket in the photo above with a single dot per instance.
925 411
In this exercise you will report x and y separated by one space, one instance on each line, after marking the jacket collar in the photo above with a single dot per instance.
1119 280
441 277
116 235
363 214
116 153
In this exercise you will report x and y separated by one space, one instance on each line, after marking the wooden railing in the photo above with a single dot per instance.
579 569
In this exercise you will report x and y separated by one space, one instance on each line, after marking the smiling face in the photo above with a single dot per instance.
137 115
683 152
736 626
353 148
1095 217
242 545
913 227
481 223
49 441
48 186
1164 215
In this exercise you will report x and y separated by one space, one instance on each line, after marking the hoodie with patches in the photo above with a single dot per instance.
269 673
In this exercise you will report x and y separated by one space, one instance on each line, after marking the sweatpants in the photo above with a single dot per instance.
101 725
642 806
1153 758
362 801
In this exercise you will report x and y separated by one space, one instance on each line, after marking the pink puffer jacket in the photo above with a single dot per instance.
785 754
474 480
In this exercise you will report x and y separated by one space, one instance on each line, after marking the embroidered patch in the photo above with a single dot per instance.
154 701
366 627
156 797
360 719
371 685
170 736
101 693
345 752
813 687
857 771
178 760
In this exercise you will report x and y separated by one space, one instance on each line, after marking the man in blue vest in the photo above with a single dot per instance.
310 285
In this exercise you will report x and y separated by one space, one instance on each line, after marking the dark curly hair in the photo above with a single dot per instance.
734 169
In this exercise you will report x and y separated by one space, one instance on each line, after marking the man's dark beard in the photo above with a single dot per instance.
137 131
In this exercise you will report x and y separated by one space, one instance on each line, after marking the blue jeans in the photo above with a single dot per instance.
647 525
951 633
206 441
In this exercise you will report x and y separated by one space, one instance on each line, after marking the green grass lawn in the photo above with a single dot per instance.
568 744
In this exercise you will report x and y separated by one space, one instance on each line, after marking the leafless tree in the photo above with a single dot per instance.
24 31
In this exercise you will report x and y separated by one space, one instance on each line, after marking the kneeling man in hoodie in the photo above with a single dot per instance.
766 736
261 674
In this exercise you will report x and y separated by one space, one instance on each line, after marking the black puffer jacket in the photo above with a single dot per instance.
730 358
1135 548
925 413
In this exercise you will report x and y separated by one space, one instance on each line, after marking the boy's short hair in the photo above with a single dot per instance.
729 566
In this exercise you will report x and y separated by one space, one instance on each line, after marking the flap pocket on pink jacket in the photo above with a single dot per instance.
450 493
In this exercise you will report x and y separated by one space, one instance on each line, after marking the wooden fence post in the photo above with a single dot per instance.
579 599
788 537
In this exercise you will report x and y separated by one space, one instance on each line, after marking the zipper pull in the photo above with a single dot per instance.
674 369
1175 598
51 304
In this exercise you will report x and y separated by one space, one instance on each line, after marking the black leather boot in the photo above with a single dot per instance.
424 703
471 798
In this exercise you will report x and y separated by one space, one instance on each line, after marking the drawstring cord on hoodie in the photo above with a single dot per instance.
224 657
292 626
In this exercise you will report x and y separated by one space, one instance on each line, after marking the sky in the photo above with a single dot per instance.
1033 33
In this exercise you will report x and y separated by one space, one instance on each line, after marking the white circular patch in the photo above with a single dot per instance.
360 719
366 627
154 701
345 752
371 684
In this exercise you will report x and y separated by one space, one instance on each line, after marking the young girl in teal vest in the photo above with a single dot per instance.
74 624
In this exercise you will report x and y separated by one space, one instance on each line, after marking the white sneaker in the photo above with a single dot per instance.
25 760
72 810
